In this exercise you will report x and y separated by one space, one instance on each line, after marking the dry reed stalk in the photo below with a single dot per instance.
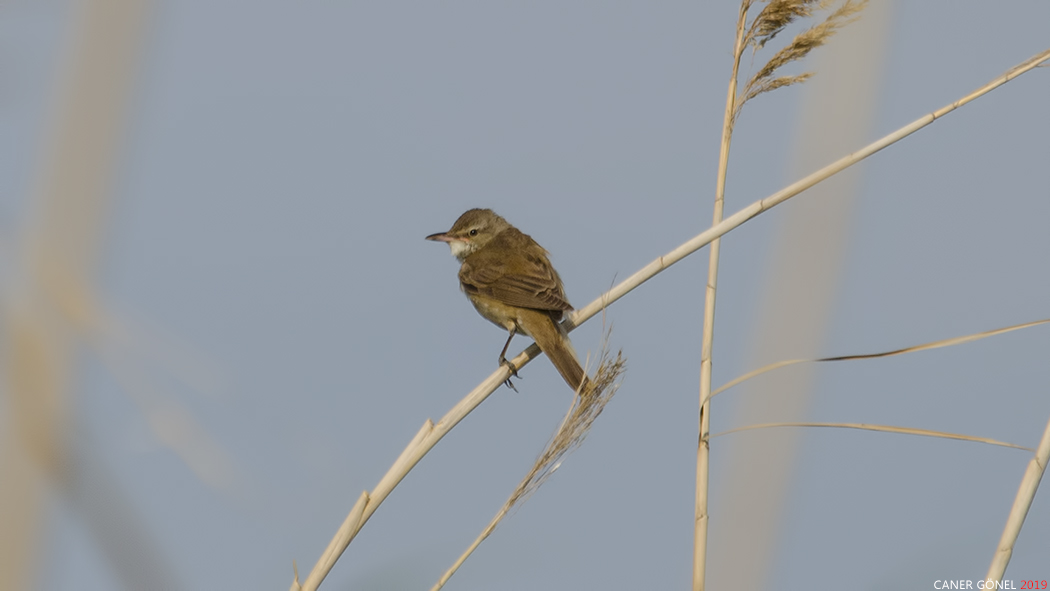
703 449
36 369
431 433
770 21
61 247
1022 502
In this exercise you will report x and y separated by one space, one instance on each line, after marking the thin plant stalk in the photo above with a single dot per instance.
431 433
880 429
911 349
1022 502
703 448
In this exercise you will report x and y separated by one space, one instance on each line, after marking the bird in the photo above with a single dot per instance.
509 279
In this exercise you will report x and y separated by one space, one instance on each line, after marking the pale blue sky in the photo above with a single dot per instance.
283 162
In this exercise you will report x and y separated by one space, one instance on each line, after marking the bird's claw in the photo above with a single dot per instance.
513 371
510 366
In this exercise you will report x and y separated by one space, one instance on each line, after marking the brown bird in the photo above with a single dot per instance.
510 281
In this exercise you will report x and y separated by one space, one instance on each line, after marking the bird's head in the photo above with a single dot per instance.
473 230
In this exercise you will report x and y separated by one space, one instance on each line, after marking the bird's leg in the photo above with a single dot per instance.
504 361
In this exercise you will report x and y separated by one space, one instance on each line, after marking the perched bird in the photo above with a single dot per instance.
510 281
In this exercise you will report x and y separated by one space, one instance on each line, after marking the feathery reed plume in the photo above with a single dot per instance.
586 406
776 16
773 19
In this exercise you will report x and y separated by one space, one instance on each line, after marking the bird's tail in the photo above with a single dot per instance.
554 341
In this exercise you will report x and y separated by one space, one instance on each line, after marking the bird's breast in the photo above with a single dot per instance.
496 312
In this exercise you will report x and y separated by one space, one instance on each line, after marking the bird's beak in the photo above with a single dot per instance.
440 237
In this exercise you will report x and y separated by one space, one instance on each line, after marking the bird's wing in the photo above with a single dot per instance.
516 273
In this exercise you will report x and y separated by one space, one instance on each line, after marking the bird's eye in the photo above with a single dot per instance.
474 232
